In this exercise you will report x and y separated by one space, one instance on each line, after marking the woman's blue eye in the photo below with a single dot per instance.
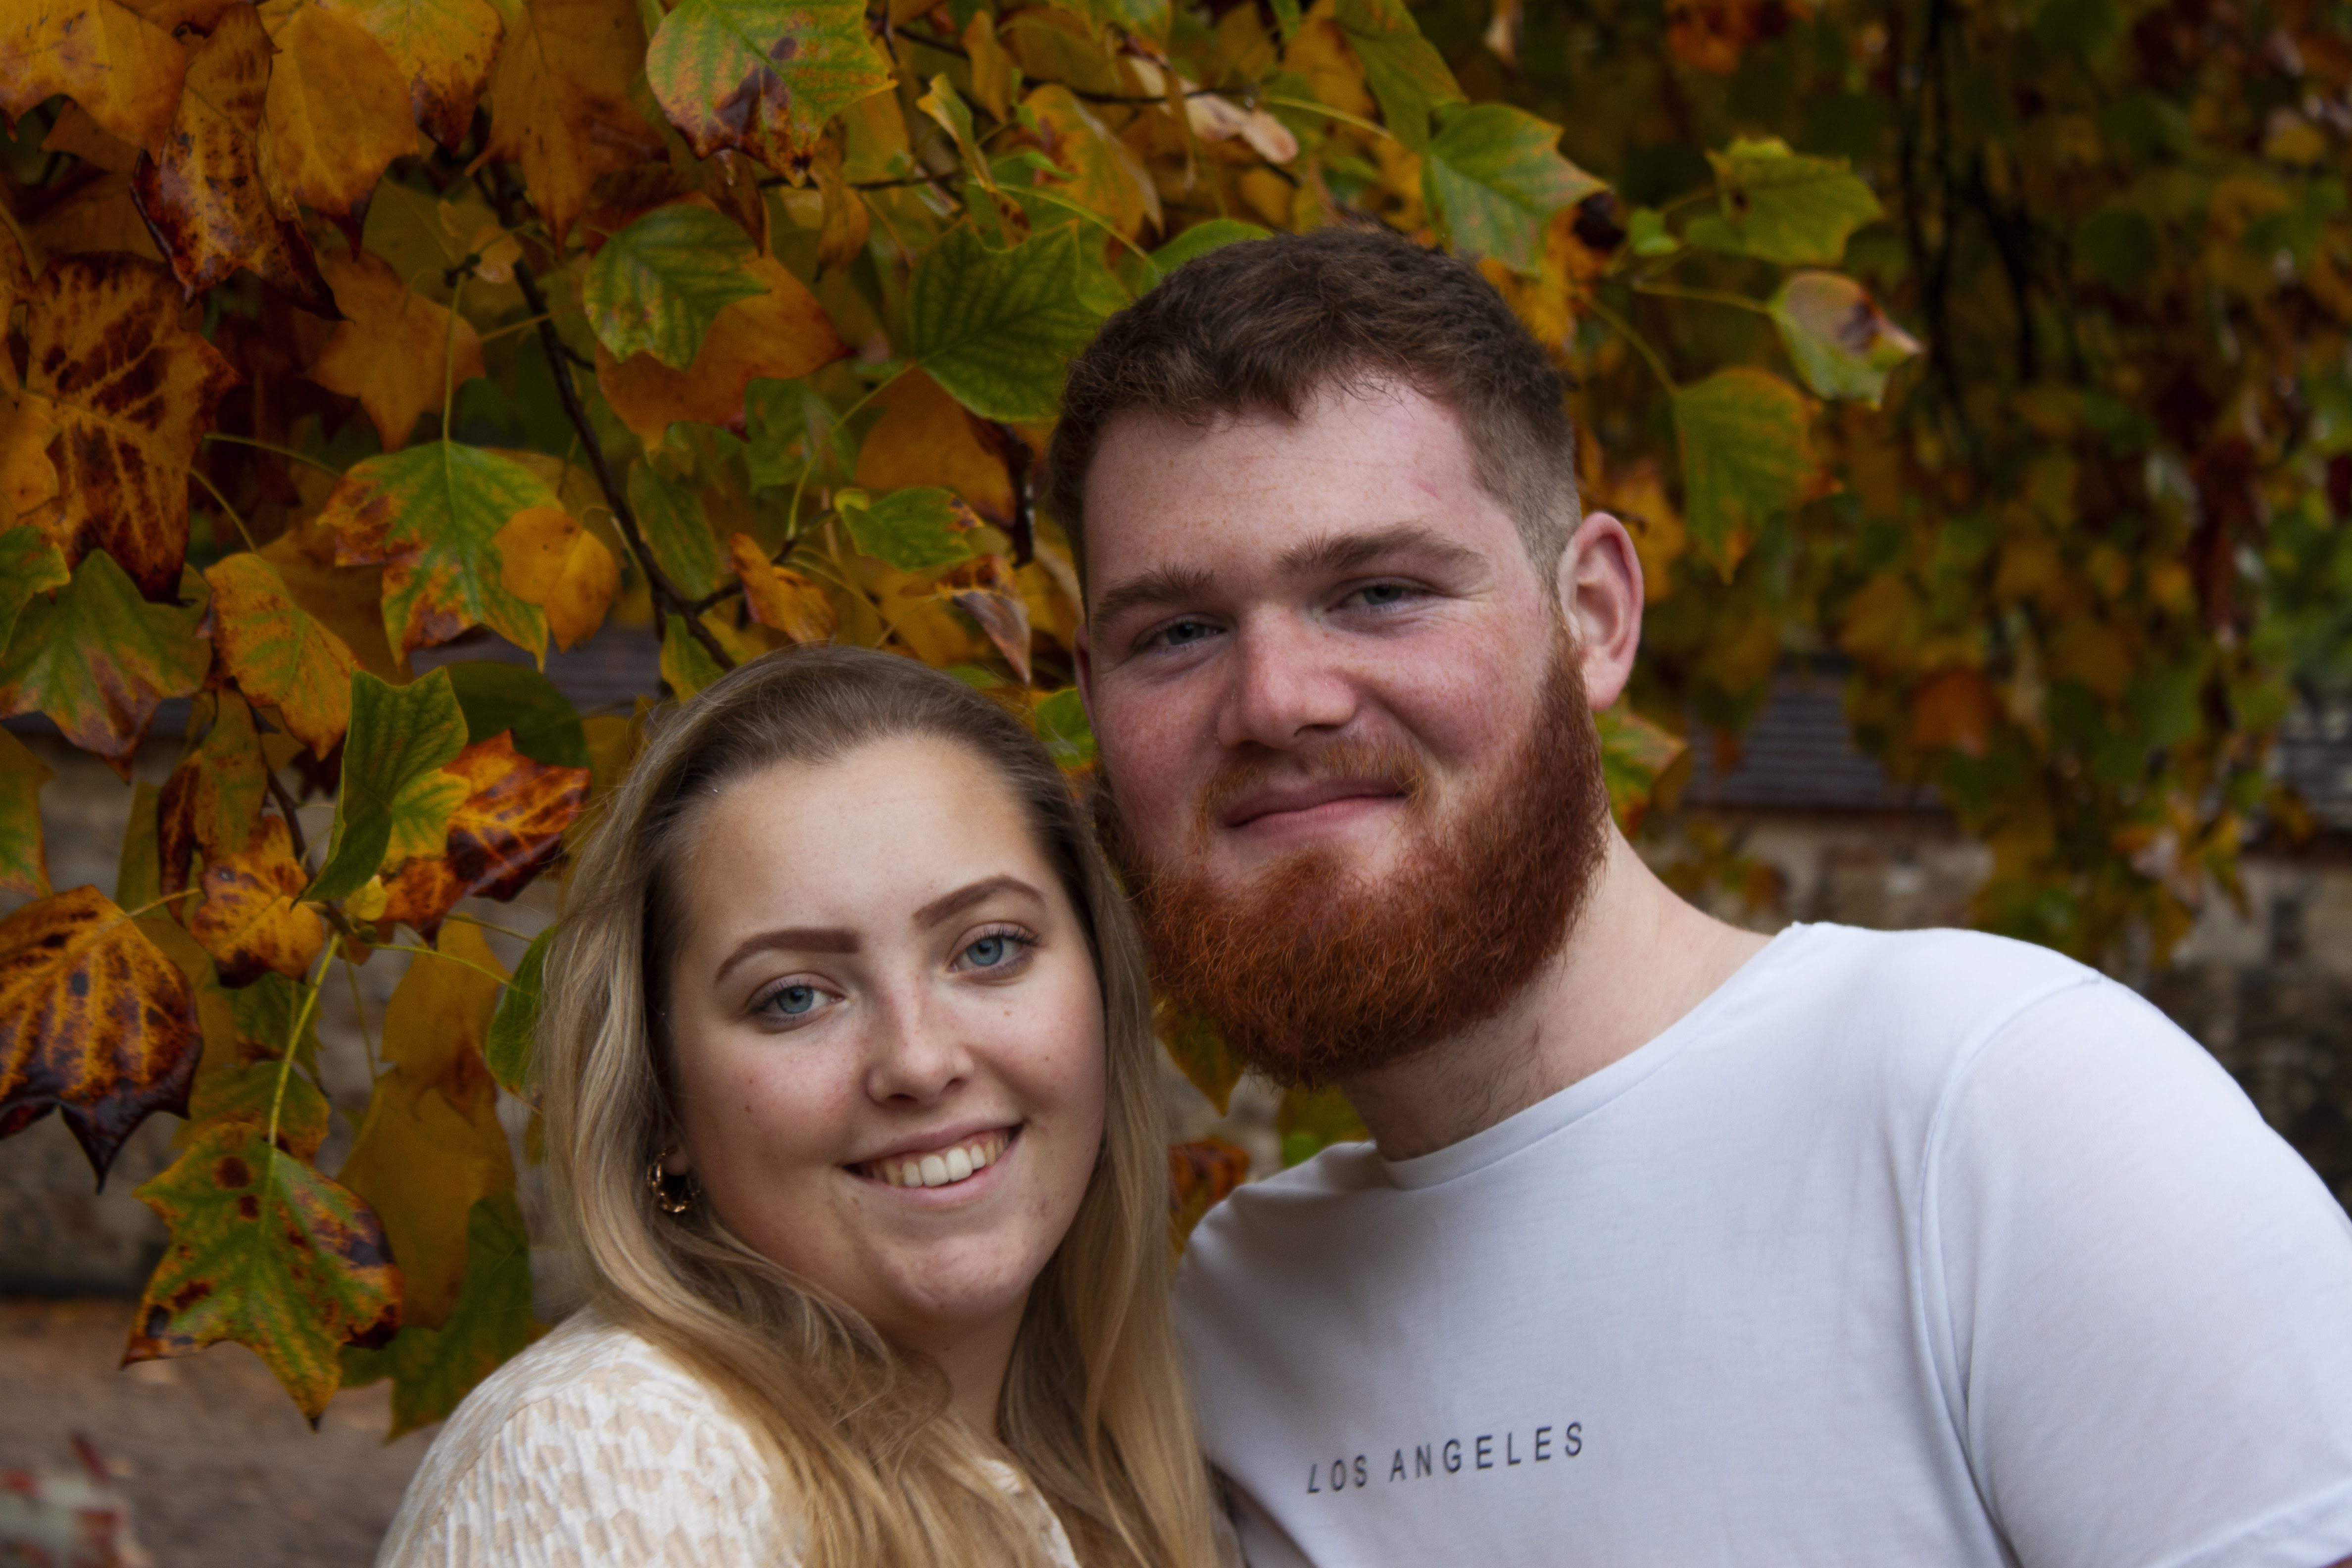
990 951
793 1000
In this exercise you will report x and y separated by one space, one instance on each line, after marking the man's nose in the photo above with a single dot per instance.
1286 686
913 1052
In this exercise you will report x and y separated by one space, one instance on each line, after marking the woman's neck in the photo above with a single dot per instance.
975 1357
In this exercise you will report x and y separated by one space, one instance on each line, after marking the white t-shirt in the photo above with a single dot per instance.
1928 1248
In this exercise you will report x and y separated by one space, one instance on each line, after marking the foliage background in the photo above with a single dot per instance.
343 329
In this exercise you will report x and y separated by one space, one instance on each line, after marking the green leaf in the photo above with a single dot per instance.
675 531
997 327
269 1253
657 285
247 1089
1403 69
1747 455
98 659
1633 752
686 665
1497 174
762 75
514 1028
1199 1051
29 564
779 416
400 737
512 697
1842 343
1645 233
265 1013
1062 725
1784 207
1198 240
433 1368
431 515
24 866
915 530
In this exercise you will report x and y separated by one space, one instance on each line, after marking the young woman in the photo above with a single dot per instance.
851 1107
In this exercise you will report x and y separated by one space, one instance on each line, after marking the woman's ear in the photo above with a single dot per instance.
1601 594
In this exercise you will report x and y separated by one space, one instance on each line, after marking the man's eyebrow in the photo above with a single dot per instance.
962 899
790 939
1351 552
1160 586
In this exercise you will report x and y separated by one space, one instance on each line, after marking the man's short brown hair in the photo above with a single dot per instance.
1264 326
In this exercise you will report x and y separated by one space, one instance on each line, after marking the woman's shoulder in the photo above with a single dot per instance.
592 1446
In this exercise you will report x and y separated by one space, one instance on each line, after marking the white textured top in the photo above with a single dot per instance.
595 1446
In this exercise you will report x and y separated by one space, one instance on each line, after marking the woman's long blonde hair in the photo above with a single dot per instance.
1093 1408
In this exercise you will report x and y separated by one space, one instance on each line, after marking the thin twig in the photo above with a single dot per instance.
242 532
272 447
286 804
1640 344
1704 295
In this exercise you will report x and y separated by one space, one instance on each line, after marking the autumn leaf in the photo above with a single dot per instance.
984 589
914 529
29 564
213 799
1842 343
130 392
1201 1175
560 101
1746 454
120 67
925 438
269 1253
278 653
431 516
433 1368
337 106
399 736
779 597
1781 206
24 863
96 1023
443 49
392 349
1199 1052
346 600
1955 709
98 659
781 334
1633 752
430 1144
519 700
1497 174
1712 35
659 285
550 561
1102 175
762 75
252 919
996 328
511 1043
687 666
28 479
214 201
846 221
242 1076
509 827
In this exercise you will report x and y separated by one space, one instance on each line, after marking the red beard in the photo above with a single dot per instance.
1313 973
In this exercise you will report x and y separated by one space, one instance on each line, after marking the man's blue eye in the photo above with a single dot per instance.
793 1000
1184 632
1383 593
989 950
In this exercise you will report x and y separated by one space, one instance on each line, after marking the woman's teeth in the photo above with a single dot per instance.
945 1167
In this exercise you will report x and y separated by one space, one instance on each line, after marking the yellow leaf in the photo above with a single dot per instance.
443 49
252 920
28 480
278 653
95 217
24 863
780 597
337 106
214 202
122 68
548 559
346 600
1099 178
782 334
78 134
843 221
391 352
993 74
924 438
431 1144
560 101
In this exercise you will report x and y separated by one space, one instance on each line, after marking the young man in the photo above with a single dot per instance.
1673 1245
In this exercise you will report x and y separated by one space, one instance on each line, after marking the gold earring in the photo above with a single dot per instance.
672 1194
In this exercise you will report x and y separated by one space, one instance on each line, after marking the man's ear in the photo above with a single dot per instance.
1600 593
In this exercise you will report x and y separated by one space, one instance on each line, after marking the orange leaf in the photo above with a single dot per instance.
549 560
117 65
28 480
560 101
507 832
278 653
96 217
337 107
96 1023
391 349
1955 709
782 334
1711 34
346 600
75 132
986 591
252 919
924 438
780 597
131 394
443 49
214 201
212 800
1200 1175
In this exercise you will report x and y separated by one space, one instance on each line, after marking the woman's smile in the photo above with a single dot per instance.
948 1167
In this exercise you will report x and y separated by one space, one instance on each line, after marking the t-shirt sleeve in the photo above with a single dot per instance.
2139 1299
576 1480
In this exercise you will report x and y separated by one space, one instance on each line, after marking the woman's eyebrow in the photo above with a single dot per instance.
963 898
790 939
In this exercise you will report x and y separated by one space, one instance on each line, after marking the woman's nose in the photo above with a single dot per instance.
915 1051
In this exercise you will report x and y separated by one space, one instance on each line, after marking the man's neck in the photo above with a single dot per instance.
1637 960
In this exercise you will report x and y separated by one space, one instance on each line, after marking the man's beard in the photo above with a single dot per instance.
1312 973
